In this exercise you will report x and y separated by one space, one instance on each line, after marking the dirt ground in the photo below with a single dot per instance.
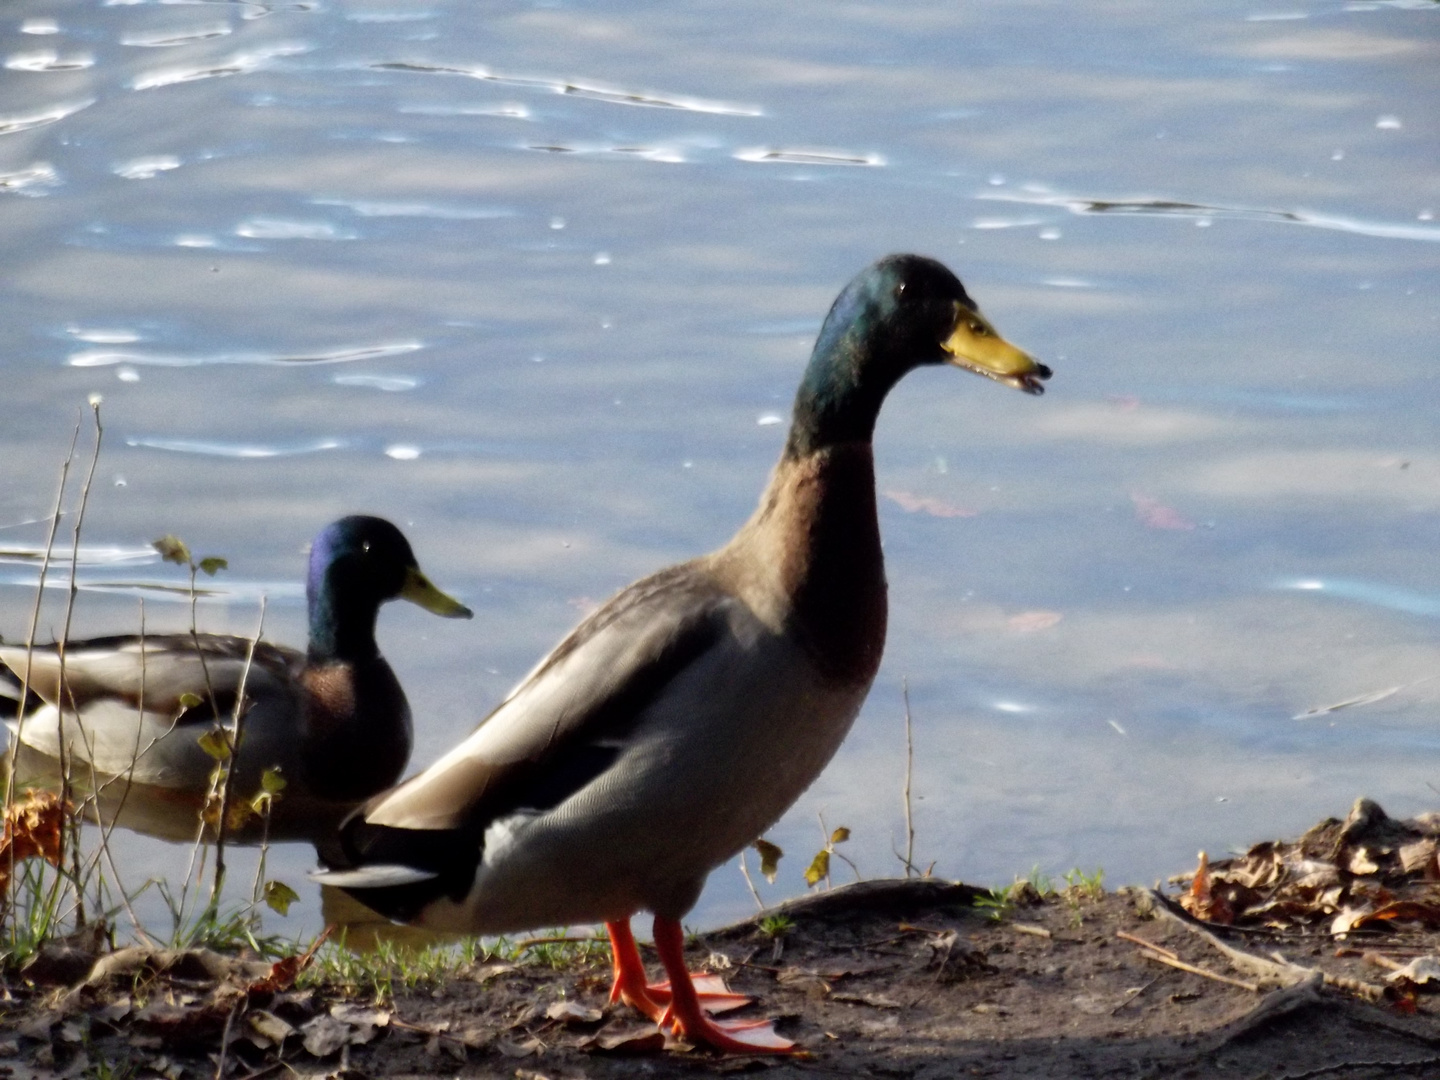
883 979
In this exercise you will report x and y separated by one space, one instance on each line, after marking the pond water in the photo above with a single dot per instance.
536 281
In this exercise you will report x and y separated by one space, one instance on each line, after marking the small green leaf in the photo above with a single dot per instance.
260 804
212 564
819 868
172 549
279 896
189 700
216 743
769 859
272 782
840 835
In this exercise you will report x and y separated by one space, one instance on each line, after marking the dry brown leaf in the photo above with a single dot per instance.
1420 856
572 1012
33 827
875 1001
285 971
1402 911
265 1029
625 1041
325 1035
1420 971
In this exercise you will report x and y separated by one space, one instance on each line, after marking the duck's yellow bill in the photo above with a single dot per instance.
975 346
418 590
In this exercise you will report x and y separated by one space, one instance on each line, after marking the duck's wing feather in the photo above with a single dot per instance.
129 694
154 671
567 720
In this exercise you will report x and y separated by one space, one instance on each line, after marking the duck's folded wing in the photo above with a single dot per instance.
569 718
127 694
153 672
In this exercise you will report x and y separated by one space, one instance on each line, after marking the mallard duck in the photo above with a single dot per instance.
676 723
333 719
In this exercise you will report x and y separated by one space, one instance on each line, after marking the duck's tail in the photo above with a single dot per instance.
398 872
10 704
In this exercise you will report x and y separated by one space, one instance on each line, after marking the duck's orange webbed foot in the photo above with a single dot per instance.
687 1017
630 985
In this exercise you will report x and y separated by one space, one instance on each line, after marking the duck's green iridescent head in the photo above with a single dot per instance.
357 564
903 312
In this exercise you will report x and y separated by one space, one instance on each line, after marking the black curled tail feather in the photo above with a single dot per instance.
11 708
452 855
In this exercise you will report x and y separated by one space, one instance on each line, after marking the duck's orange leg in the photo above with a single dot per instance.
649 998
629 985
689 1020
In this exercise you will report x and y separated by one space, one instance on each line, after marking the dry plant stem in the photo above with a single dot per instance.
199 652
65 691
749 884
30 652
1137 940
227 786
225 1040
1161 958
909 772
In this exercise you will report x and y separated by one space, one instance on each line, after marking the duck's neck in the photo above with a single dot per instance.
813 558
342 624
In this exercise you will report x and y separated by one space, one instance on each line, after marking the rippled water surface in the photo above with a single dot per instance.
537 281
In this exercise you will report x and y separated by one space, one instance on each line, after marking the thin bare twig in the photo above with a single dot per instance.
1161 958
909 859
64 644
1137 940
228 784
30 654
745 872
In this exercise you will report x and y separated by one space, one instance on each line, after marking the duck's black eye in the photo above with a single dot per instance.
899 290
365 546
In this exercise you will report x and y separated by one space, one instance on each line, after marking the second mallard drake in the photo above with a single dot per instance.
332 719
680 720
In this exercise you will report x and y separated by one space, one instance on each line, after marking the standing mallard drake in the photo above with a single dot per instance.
333 719
681 719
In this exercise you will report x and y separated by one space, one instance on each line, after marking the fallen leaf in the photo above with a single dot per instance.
325 1035
286 970
485 972
266 1029
512 1049
875 1001
364 1022
1361 864
572 1012
625 1041
1402 911
1420 971
33 827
